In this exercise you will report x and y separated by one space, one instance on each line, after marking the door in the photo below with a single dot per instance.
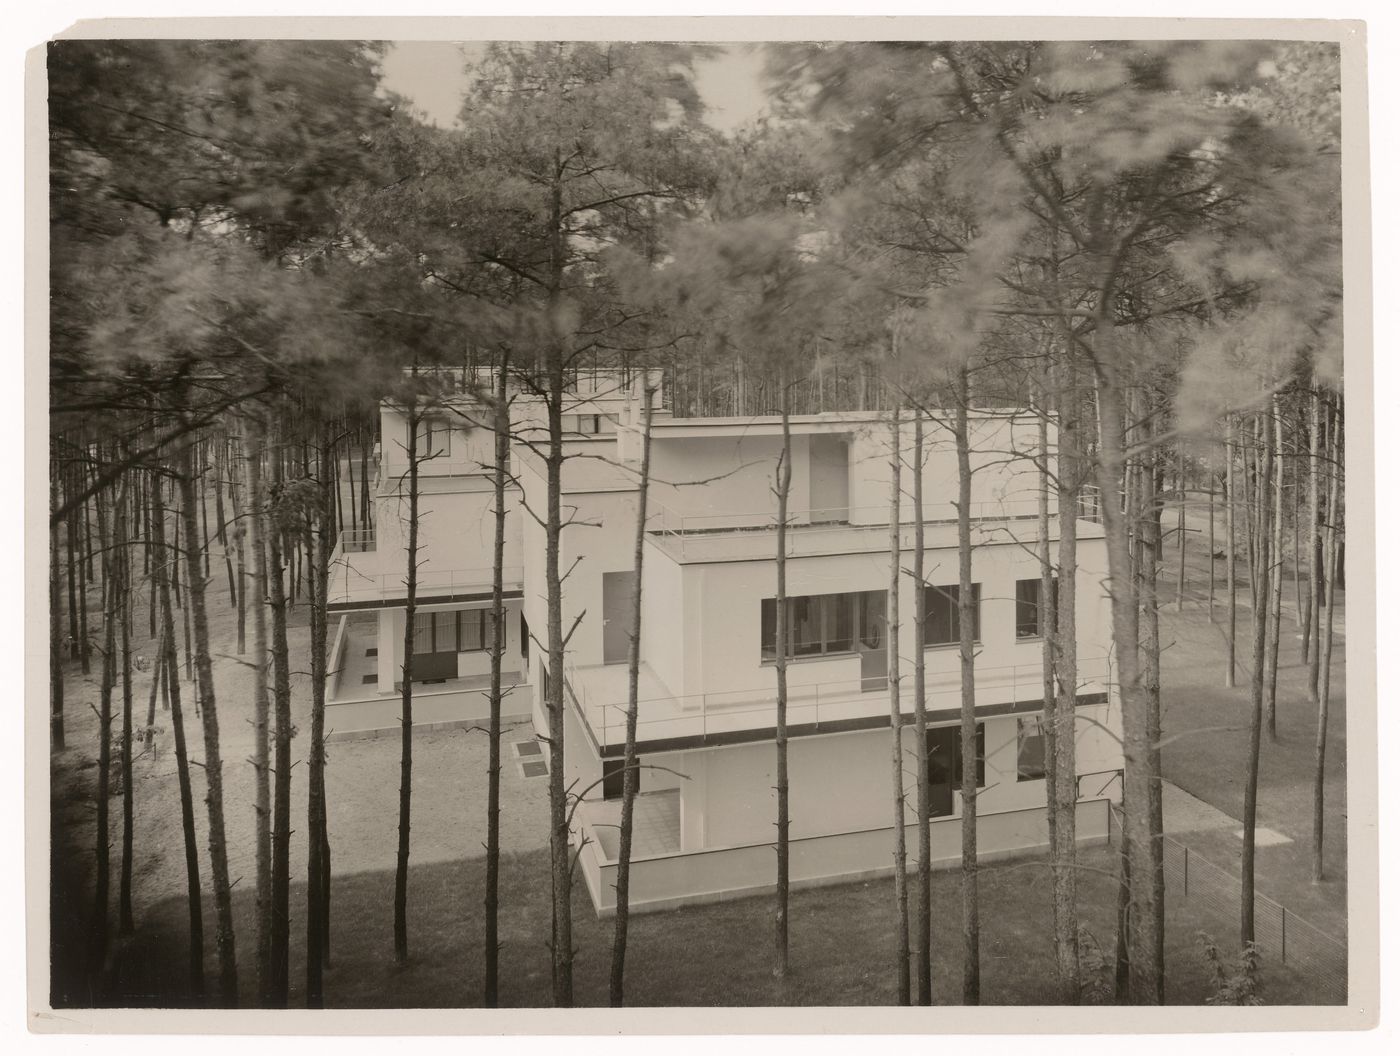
434 646
617 615
941 743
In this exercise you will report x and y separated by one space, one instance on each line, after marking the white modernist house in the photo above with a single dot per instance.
705 816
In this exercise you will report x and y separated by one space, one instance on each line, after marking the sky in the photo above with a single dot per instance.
430 73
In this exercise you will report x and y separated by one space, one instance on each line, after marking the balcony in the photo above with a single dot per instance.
741 536
359 584
669 722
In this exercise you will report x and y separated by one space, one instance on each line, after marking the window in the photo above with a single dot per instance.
463 631
1028 606
585 424
1030 748
822 624
941 614
474 630
943 745
614 772
434 438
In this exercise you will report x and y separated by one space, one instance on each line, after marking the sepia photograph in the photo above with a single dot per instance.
619 522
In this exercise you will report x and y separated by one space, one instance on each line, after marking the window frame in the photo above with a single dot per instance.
1054 601
831 642
956 777
938 592
1022 773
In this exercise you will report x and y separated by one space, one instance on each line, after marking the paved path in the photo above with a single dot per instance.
1183 813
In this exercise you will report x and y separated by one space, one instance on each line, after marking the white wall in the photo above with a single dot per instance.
721 611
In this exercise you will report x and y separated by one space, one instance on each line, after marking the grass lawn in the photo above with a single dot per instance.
719 954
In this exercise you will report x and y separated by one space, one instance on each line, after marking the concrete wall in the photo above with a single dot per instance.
999 482
721 613
659 883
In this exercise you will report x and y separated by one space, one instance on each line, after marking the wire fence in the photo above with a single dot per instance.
1203 896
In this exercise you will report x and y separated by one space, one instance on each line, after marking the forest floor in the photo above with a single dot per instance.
841 936
1205 729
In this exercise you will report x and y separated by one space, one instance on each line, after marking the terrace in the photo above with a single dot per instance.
748 536
671 722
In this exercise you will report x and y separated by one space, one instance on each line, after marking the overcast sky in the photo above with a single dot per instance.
431 74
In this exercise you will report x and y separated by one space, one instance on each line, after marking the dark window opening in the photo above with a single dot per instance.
824 624
614 774
941 614
1028 606
1030 748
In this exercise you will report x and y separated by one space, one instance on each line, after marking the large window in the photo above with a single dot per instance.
463 631
1030 748
434 438
943 744
822 624
1028 606
941 624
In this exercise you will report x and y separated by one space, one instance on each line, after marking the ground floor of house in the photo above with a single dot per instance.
451 668
704 818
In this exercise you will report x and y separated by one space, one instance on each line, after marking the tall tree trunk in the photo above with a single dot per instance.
406 696
967 614
561 871
207 707
56 649
631 776
1059 625
262 761
923 911
1332 573
780 733
1315 560
1231 587
102 883
1180 525
240 541
501 427
166 559
1251 787
84 531
125 923
322 536
1275 576
1152 497
1137 755
901 876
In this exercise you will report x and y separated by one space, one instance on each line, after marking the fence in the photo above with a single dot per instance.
1283 937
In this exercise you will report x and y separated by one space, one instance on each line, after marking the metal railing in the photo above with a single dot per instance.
351 584
705 714
356 541
676 528
1280 933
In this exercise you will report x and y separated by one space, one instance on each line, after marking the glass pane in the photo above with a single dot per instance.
1030 749
445 635
423 632
806 626
840 620
872 619
768 630
941 606
1027 608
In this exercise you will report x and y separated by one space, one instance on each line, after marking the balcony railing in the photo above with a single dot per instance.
351 585
704 715
676 528
357 541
